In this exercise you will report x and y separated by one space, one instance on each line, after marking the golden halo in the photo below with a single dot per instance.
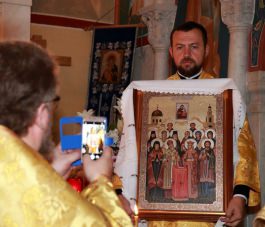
210 130
198 130
160 133
190 141
209 140
157 139
174 143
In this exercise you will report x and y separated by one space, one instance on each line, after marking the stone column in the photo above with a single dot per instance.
238 16
159 17
15 19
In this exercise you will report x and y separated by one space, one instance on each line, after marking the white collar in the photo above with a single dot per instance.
189 78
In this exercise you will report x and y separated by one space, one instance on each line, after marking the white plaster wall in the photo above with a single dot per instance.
74 43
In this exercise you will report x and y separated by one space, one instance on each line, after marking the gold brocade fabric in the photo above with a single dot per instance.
259 220
116 181
33 194
246 172
179 224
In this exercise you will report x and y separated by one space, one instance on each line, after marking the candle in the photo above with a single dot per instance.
136 216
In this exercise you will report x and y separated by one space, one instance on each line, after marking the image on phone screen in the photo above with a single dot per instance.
93 135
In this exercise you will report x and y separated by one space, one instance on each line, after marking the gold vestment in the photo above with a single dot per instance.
33 194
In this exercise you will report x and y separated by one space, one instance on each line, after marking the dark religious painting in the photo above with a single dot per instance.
111 68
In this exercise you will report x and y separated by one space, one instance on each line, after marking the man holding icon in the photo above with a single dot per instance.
189 50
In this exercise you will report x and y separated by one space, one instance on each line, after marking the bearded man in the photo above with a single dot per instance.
189 49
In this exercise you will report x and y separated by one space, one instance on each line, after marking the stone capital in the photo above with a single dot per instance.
237 13
159 18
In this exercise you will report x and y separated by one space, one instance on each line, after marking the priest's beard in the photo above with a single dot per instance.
47 145
190 71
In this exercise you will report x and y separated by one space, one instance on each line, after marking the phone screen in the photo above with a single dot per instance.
93 136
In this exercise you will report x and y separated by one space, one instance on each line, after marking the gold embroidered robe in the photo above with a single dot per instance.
33 194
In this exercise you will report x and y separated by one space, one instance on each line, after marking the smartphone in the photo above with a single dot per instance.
70 134
93 136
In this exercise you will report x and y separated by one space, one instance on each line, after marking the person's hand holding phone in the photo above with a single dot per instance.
103 166
62 160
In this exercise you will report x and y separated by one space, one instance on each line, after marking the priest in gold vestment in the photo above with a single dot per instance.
189 49
32 193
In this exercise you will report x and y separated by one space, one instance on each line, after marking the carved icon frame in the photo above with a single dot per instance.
193 195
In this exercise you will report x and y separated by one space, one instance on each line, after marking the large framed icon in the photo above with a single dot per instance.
184 144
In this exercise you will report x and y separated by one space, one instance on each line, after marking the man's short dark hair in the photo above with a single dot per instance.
188 26
26 80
